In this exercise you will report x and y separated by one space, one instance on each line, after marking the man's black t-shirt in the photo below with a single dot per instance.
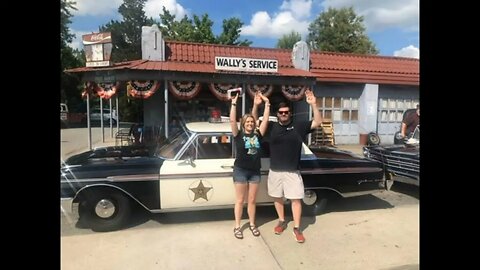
248 150
286 144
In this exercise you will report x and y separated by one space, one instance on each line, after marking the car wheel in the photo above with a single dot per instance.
314 202
373 139
105 210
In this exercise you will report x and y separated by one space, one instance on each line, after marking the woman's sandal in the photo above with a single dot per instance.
254 230
238 233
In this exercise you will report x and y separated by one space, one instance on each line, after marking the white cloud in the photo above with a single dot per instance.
379 15
299 8
153 8
409 51
292 18
96 7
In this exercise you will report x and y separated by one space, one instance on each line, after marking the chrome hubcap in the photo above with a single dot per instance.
310 197
105 208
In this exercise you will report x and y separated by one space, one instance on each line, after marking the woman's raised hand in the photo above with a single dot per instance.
258 98
310 97
264 98
234 98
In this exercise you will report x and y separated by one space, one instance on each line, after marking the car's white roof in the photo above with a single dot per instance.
201 127
223 126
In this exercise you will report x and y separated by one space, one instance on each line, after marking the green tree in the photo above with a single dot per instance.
287 41
203 29
65 15
200 30
80 56
127 34
231 33
176 30
69 84
340 30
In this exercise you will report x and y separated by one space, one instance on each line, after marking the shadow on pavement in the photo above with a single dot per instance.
265 214
365 202
407 189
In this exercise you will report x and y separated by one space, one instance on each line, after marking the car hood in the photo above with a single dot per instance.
398 149
111 161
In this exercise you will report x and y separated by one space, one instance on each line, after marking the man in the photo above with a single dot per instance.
410 122
284 179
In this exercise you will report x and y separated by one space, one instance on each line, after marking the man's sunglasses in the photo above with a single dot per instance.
283 112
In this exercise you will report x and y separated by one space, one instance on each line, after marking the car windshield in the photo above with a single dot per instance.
172 145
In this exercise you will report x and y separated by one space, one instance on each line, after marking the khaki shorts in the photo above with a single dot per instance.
285 184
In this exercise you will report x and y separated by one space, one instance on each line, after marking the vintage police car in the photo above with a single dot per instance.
193 171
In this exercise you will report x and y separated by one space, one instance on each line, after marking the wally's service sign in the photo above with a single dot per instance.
246 64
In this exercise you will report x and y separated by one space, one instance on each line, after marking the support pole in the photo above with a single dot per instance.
165 93
118 112
89 127
101 119
111 117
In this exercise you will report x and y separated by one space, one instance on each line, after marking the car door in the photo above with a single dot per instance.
202 177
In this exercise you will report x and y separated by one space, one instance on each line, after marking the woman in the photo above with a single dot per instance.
246 170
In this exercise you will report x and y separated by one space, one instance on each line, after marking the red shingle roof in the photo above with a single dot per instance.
183 66
187 52
343 67
325 66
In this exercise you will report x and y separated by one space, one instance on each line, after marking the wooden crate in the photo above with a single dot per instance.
324 135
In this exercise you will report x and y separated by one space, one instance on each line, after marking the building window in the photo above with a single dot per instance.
338 109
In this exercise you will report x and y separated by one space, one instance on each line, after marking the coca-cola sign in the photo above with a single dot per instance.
95 38
98 49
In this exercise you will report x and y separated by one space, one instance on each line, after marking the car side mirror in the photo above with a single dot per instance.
188 161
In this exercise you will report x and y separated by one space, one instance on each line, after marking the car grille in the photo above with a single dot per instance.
404 163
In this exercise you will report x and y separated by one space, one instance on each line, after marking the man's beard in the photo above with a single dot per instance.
285 122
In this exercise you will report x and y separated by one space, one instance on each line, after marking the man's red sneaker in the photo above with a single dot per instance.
298 235
281 226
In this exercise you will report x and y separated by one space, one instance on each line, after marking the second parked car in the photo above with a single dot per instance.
95 115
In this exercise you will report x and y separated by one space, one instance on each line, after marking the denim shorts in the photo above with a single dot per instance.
245 176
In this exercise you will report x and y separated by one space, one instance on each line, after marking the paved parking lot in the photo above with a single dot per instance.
368 232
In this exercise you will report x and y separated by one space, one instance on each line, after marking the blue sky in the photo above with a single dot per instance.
393 25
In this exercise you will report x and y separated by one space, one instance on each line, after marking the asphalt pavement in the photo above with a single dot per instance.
75 140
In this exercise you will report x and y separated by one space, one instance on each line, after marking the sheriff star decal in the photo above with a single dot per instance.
200 191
